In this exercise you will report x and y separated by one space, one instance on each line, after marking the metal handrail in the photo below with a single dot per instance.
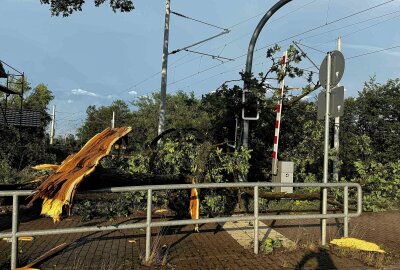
14 234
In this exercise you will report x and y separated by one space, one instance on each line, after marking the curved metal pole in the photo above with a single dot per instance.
250 54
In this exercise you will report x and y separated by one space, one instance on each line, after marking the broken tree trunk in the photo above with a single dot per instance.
108 177
58 189
284 195
295 196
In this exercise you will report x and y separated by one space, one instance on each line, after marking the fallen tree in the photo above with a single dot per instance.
58 190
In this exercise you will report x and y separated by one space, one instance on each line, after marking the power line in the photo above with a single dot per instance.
196 20
11 67
327 11
289 38
306 69
338 20
210 55
323 25
359 30
307 46
362 29
234 69
249 33
226 31
373 52
226 44
278 18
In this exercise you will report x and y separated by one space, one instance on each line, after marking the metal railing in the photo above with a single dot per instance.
256 217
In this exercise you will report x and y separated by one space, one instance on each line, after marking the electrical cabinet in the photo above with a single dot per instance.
284 175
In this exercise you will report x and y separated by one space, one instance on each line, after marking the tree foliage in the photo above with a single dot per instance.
67 7
369 133
97 119
225 104
25 146
184 111
378 117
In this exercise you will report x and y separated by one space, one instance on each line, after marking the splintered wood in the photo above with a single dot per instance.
59 188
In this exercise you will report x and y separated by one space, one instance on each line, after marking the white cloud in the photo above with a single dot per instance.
81 92
69 101
133 92
112 97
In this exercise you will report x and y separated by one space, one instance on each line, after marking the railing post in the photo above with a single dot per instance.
346 212
148 223
255 219
14 230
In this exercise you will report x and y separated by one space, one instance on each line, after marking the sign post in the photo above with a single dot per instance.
331 72
326 149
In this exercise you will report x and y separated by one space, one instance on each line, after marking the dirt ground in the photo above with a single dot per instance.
211 248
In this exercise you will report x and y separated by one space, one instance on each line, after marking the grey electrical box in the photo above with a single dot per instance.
284 175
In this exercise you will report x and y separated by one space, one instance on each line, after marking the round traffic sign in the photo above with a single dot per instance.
337 69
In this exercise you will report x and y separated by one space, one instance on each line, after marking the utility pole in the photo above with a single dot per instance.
164 69
113 120
336 129
53 120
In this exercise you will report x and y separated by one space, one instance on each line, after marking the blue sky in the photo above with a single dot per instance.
96 56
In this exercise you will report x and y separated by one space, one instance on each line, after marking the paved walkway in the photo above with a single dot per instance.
212 248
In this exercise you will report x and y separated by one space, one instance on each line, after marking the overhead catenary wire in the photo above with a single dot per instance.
372 25
196 20
306 69
226 44
327 11
312 62
289 38
249 33
350 25
323 25
226 31
276 19
373 52
309 47
11 67
212 56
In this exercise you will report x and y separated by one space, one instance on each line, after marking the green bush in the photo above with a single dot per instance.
205 162
380 184
10 175
124 205
219 202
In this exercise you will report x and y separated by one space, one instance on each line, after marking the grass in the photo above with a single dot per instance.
369 258
159 254
373 259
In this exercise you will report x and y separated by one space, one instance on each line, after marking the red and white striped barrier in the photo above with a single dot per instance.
278 119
